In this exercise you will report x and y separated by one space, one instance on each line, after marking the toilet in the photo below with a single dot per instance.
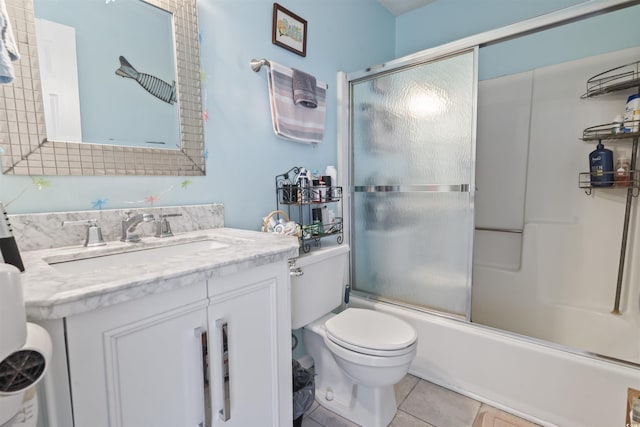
359 354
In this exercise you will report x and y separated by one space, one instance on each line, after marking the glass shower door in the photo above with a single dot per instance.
412 175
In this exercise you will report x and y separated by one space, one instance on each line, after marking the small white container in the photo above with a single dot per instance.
328 217
322 192
618 125
633 104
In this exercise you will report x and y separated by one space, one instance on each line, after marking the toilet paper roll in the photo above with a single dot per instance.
13 328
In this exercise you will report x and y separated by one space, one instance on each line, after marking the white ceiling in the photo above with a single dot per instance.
398 7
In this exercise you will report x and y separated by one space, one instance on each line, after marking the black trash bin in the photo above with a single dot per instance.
304 391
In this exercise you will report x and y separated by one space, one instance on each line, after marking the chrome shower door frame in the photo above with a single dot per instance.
346 156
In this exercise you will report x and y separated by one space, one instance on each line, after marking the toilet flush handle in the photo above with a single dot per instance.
293 270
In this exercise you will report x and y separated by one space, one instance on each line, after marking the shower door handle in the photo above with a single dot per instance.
418 188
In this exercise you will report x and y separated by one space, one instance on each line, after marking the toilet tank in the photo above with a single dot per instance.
321 286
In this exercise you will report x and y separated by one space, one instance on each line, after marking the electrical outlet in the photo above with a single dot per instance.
633 407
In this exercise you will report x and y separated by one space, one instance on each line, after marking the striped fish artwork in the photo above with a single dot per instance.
155 86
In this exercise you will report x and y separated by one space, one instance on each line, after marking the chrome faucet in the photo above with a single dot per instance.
163 228
129 224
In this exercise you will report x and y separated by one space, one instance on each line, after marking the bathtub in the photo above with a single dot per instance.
534 380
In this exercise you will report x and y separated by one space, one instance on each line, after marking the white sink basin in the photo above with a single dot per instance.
134 257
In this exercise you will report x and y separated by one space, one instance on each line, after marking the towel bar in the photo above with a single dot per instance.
257 64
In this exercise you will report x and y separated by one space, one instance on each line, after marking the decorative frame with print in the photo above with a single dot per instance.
289 30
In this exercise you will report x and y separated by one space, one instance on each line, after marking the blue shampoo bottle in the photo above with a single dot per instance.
601 166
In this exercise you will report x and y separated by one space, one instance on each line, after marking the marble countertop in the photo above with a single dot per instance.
51 294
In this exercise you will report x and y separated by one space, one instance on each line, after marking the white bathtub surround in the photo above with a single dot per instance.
549 298
45 230
557 280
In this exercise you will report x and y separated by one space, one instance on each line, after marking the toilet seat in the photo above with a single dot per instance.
369 351
370 360
371 332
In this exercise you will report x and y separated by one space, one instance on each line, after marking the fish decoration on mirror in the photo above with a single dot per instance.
155 86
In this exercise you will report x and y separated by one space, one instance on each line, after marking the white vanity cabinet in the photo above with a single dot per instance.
140 363
247 311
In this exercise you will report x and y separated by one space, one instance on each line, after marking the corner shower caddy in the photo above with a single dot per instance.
299 202
614 80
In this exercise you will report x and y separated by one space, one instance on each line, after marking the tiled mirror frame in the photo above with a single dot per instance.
25 149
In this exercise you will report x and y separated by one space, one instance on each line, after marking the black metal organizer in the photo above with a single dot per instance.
615 80
300 203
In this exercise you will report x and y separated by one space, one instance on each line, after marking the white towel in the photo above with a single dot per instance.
8 46
290 121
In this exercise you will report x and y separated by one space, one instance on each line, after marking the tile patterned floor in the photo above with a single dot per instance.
423 404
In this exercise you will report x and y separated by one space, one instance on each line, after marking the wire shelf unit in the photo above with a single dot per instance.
613 80
610 131
300 202
632 180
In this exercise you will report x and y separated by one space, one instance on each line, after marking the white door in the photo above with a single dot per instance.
59 76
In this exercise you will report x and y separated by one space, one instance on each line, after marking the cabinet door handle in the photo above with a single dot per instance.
201 335
224 399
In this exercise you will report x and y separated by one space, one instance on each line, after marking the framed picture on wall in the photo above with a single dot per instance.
289 30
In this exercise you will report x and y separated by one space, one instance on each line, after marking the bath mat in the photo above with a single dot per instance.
490 419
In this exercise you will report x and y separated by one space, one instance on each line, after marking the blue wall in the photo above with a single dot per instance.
445 21
448 20
342 35
244 155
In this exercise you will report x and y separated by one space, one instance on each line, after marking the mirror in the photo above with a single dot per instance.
35 146
93 76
